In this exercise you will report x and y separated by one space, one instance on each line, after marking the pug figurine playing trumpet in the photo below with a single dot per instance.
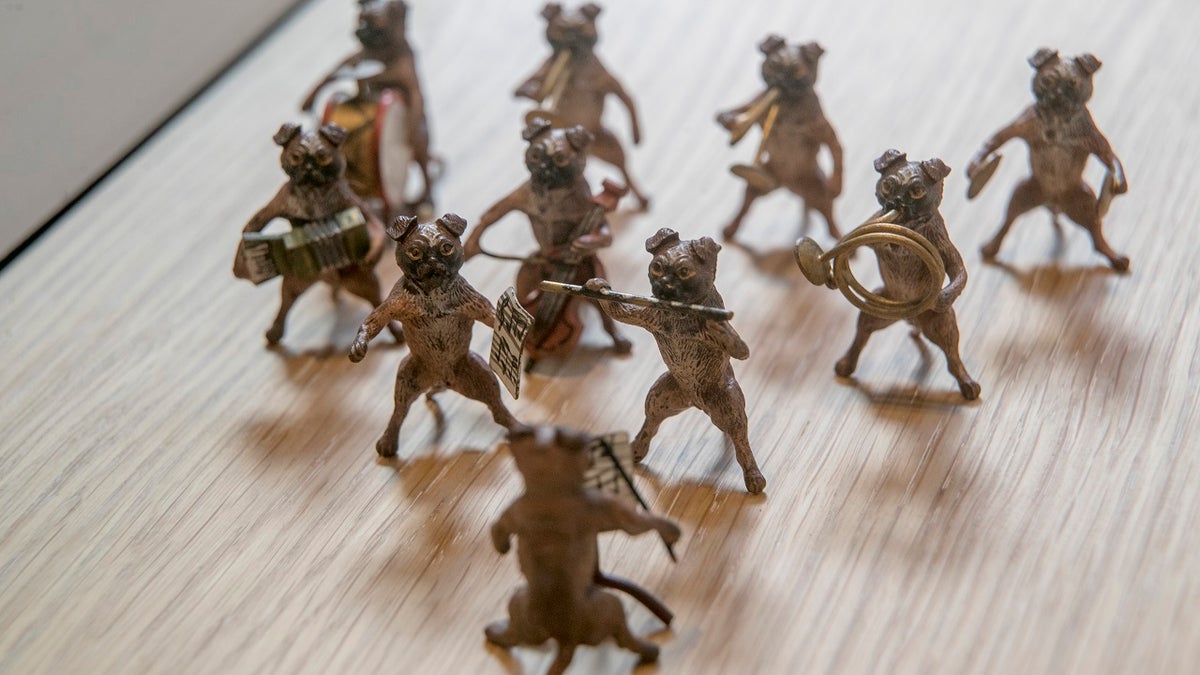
915 254
572 84
794 129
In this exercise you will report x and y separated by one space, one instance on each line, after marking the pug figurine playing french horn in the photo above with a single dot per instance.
1061 134
915 255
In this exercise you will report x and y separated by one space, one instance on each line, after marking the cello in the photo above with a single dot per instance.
557 325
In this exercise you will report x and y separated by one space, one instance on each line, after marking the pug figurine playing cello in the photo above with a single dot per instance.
569 226
793 130
1061 135
571 85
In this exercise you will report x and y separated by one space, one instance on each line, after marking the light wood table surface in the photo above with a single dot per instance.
176 498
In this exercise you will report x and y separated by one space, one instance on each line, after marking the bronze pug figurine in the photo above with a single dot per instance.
1061 134
556 521
912 191
793 130
696 350
315 192
381 31
437 307
569 226
572 85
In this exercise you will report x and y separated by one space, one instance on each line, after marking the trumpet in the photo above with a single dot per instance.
755 174
832 268
745 120
552 88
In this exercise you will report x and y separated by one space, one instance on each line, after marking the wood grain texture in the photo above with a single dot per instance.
175 498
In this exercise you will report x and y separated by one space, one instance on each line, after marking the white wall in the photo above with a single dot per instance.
82 81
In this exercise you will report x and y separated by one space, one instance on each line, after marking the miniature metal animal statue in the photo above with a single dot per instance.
437 308
569 226
555 522
1061 135
696 350
572 85
793 130
381 31
316 192
914 191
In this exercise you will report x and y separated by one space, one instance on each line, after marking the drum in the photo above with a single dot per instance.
376 148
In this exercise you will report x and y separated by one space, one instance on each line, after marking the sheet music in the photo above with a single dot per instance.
610 455
508 340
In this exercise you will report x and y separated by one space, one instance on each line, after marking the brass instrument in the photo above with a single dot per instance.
981 176
552 89
832 268
755 174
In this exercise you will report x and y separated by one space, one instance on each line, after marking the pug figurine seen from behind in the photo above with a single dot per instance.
555 522
437 308
1061 135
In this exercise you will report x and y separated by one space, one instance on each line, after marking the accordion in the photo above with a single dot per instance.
307 250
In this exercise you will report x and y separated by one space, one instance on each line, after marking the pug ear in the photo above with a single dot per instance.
889 158
705 249
811 51
661 239
399 228
453 223
333 133
771 44
551 10
579 137
935 168
1088 63
1043 56
286 133
536 127
591 10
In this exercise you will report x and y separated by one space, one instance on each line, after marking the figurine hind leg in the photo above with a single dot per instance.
1026 196
606 147
364 284
609 620
728 413
1080 206
748 198
408 388
290 289
942 330
518 629
664 400
621 344
473 379
867 325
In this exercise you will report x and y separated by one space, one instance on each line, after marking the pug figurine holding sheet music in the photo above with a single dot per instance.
437 307
340 240
696 350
